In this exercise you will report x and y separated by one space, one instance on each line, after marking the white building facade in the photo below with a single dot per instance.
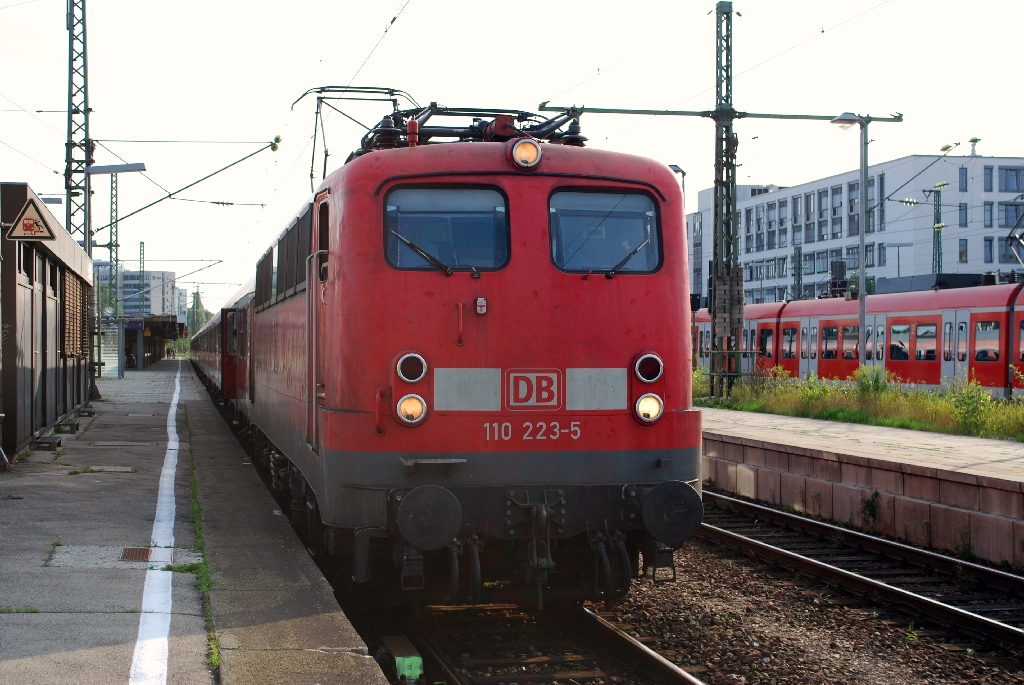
789 237
155 293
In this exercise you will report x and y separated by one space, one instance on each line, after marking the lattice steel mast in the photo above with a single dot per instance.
142 277
726 301
112 245
78 146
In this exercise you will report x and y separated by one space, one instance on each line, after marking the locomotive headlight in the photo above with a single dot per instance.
526 153
648 368
412 409
649 408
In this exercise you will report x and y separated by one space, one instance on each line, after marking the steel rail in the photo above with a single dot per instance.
662 666
973 624
872 543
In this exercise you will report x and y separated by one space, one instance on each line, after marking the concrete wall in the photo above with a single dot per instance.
944 510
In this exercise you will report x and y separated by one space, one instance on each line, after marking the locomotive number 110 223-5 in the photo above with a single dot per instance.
533 430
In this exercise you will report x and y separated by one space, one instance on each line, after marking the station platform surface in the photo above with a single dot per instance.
957 453
952 493
72 611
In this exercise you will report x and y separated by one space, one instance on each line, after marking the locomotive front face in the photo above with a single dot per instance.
504 353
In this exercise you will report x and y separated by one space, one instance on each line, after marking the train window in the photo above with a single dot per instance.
961 341
803 348
1020 352
813 342
744 348
290 241
868 345
274 273
232 334
602 231
764 343
986 341
899 343
851 339
880 341
700 343
947 341
789 343
829 342
464 229
323 238
925 345
302 247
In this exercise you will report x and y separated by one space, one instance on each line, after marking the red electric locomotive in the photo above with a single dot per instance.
925 337
470 360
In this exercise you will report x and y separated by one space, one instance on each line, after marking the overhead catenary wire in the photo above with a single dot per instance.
26 156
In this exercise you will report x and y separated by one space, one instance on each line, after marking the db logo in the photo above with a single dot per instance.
533 388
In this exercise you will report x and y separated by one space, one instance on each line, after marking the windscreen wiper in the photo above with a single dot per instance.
431 259
611 274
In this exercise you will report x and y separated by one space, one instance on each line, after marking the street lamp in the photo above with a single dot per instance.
845 121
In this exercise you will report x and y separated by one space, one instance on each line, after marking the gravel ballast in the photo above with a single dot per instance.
730 619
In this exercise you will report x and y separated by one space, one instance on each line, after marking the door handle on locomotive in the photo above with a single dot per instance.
461 340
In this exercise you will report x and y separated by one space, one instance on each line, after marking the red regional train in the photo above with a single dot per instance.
924 337
467 359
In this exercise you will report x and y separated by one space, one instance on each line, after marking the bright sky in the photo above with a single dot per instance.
229 71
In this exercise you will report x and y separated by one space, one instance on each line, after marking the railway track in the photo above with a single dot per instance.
959 595
502 644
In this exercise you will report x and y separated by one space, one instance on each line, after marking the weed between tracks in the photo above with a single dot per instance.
201 570
876 398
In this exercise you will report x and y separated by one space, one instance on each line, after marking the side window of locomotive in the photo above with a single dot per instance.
803 348
789 343
986 341
947 341
323 239
464 229
899 342
961 341
764 343
924 346
613 233
829 342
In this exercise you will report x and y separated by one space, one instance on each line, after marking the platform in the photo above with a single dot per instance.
71 608
952 493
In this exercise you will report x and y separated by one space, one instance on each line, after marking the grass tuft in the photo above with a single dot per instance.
872 397
84 469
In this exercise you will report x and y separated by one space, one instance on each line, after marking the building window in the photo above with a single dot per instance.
1007 255
809 263
783 238
748 222
963 179
822 204
963 251
771 239
881 254
988 250
821 262
963 215
869 255
1009 213
852 257
988 179
759 242
881 202
809 233
988 215
834 256
748 244
809 207
798 213
837 227
1010 179
823 229
853 193
783 212
798 235
853 225
837 201
781 269
759 218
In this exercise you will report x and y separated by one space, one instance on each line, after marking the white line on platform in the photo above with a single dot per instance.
149 664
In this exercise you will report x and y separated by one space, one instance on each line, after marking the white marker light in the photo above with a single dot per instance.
649 408
412 409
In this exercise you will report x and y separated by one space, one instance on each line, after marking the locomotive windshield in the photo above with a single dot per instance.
604 232
456 228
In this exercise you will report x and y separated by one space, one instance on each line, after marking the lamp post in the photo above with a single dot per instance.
845 121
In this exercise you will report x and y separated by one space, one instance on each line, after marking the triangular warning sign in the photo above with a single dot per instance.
30 224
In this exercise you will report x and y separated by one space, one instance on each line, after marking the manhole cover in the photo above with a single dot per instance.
121 443
136 553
